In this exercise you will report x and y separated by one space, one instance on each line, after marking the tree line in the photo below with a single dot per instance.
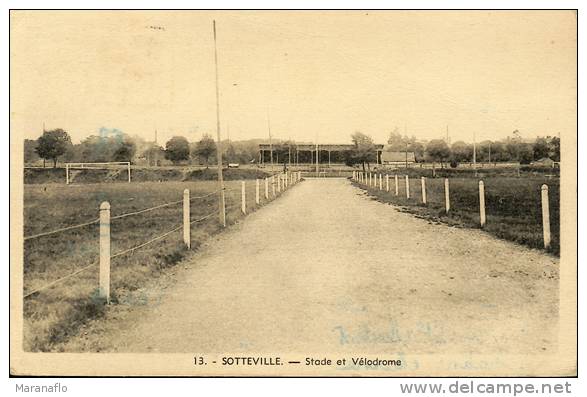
112 145
511 149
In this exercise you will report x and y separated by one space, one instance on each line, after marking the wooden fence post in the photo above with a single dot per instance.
273 185
446 196
407 186
243 198
104 290
481 203
545 216
266 189
396 186
186 218
423 190
386 183
257 198
380 181
67 174
278 182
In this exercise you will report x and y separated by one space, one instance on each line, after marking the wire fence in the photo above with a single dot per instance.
516 209
105 256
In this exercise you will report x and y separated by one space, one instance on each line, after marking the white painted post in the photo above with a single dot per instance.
273 185
279 182
482 203
67 174
396 186
266 189
423 190
186 218
446 196
104 289
380 181
129 172
243 198
545 217
257 199
407 187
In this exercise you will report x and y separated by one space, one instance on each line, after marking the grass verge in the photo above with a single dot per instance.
512 205
53 315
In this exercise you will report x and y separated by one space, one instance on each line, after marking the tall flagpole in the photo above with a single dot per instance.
221 204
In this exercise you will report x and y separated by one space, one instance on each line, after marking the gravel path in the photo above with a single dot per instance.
327 269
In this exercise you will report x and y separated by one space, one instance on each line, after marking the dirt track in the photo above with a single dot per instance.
326 268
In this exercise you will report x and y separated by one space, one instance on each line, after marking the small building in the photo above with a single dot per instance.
397 158
543 162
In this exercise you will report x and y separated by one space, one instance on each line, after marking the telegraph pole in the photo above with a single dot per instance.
317 160
475 152
221 204
270 141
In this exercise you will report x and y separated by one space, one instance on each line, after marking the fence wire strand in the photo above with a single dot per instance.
203 218
126 251
116 217
61 230
59 280
204 196
145 210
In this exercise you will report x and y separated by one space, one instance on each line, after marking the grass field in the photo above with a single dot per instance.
53 314
512 205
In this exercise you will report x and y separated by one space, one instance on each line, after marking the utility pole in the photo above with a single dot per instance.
317 159
221 204
270 141
475 152
406 138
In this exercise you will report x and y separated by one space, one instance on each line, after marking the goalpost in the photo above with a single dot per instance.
95 166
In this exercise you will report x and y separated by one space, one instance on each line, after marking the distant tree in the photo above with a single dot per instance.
177 149
438 150
525 153
418 148
30 152
461 152
499 152
53 144
554 149
540 148
396 142
205 148
364 150
231 155
513 145
484 149
125 151
153 154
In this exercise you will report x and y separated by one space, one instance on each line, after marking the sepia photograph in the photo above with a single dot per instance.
293 193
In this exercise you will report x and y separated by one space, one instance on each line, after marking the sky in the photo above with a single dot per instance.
314 76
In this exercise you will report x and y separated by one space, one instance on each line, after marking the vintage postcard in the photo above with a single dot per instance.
293 193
